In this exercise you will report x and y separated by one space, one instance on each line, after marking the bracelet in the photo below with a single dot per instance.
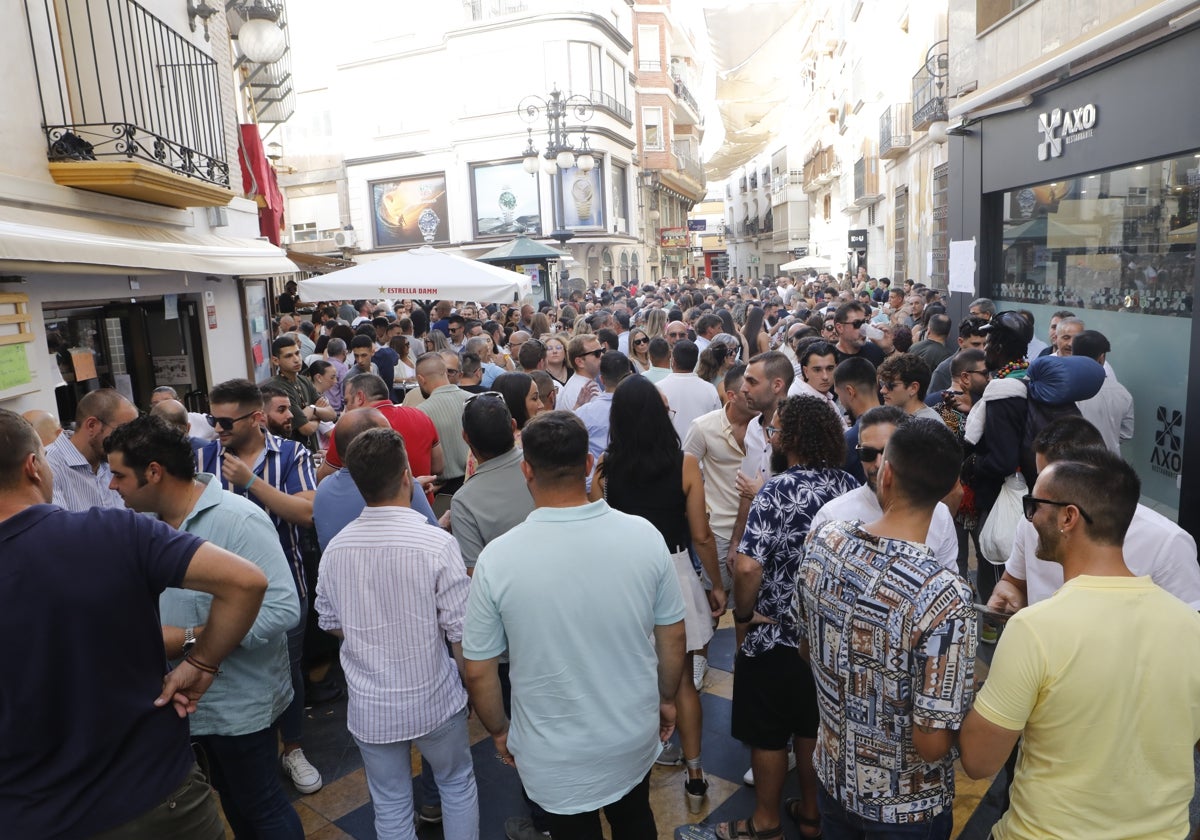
743 619
200 666
250 483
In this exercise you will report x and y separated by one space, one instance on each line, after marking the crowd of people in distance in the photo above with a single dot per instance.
539 515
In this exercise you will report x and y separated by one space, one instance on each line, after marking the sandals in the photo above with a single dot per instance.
730 831
792 807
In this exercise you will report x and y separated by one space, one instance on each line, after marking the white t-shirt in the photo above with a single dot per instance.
689 397
570 392
1154 546
862 503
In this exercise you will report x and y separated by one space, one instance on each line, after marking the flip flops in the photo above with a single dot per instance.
730 831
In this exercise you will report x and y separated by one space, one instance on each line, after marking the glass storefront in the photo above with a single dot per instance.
1117 248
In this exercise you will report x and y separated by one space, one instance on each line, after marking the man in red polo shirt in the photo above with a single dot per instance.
366 390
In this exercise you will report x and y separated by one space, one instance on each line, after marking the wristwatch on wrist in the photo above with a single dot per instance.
189 640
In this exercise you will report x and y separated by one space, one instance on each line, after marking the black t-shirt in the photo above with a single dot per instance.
870 351
287 302
83 749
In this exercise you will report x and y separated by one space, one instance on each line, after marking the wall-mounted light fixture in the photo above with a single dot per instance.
199 10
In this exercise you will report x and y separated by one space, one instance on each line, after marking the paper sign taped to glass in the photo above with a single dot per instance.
962 266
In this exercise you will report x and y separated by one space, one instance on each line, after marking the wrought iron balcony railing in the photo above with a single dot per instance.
117 82
603 100
681 91
929 85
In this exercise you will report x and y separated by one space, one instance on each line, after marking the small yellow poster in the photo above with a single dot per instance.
14 366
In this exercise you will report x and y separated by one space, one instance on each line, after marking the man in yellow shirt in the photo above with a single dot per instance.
1101 681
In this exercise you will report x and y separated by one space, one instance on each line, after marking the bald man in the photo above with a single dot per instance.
444 403
79 463
199 429
675 331
45 424
176 414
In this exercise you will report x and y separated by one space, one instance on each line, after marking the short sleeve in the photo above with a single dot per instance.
944 662
1017 564
164 554
331 454
1016 677
483 631
762 531
668 598
694 442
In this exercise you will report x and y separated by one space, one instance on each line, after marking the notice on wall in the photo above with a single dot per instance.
170 307
83 359
14 367
172 370
962 266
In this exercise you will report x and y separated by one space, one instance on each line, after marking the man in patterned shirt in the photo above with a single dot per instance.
773 695
890 633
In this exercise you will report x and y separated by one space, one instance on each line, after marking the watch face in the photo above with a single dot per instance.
508 201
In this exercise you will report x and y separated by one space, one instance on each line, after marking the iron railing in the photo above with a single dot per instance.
650 65
682 92
117 82
478 10
894 136
929 88
607 103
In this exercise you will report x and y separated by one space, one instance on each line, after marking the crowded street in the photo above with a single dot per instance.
656 420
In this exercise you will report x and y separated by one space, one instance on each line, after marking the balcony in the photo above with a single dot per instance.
607 103
482 10
820 169
753 180
687 164
894 136
141 120
682 92
742 184
929 89
650 66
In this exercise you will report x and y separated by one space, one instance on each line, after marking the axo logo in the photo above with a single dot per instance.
1167 457
1060 127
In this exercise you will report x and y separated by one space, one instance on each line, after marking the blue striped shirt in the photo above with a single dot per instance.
76 486
287 466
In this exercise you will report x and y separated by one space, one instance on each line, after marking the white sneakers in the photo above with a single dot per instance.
699 671
749 777
304 776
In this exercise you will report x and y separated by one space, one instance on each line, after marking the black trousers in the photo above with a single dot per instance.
630 818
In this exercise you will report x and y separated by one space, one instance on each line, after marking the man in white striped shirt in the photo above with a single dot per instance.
80 467
395 589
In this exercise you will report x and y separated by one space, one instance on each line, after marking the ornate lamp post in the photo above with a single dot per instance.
560 152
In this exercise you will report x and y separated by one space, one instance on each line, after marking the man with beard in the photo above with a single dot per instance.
890 633
876 429
1101 682
857 389
848 322
774 700
81 475
308 407
277 475
970 337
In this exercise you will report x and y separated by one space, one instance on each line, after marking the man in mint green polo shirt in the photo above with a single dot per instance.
586 601
154 471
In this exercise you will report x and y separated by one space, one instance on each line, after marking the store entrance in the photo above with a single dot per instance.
133 347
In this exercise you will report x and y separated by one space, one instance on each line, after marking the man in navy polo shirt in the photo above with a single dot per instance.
94 732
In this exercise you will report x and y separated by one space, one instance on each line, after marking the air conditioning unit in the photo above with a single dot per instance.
345 239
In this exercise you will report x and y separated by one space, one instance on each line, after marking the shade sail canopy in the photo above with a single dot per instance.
805 263
31 240
424 273
521 248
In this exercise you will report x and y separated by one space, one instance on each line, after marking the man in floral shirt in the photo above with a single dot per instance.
773 696
892 636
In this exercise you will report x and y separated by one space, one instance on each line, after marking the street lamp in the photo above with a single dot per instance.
560 152
255 25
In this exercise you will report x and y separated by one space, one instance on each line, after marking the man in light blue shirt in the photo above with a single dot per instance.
338 501
154 471
80 467
572 573
614 367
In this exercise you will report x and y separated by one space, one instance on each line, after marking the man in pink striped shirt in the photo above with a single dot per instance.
395 589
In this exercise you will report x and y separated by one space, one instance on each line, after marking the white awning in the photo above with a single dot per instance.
33 241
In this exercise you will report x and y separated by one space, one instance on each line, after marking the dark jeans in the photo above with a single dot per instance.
245 772
189 813
291 722
839 824
630 818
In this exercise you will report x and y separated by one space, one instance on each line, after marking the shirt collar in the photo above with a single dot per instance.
512 456
570 514
209 498
68 453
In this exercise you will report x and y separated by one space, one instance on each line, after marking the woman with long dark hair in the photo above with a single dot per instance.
644 473
521 395
754 333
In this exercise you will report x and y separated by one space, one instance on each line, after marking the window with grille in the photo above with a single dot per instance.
941 227
900 271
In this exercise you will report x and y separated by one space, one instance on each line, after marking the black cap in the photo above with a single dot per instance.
1012 322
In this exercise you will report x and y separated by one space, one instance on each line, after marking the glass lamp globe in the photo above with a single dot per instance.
938 132
586 162
262 41
566 159
530 164
549 166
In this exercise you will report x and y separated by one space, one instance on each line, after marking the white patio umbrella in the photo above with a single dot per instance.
424 273
805 263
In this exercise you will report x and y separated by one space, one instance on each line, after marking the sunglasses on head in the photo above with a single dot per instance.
493 394
867 454
225 424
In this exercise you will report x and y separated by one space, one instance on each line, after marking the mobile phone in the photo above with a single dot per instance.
992 615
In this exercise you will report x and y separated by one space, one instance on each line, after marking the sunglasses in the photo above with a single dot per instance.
856 324
867 454
225 424
891 386
493 394
598 352
453 371
640 341
1030 505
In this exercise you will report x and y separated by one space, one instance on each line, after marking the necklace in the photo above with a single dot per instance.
1011 368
